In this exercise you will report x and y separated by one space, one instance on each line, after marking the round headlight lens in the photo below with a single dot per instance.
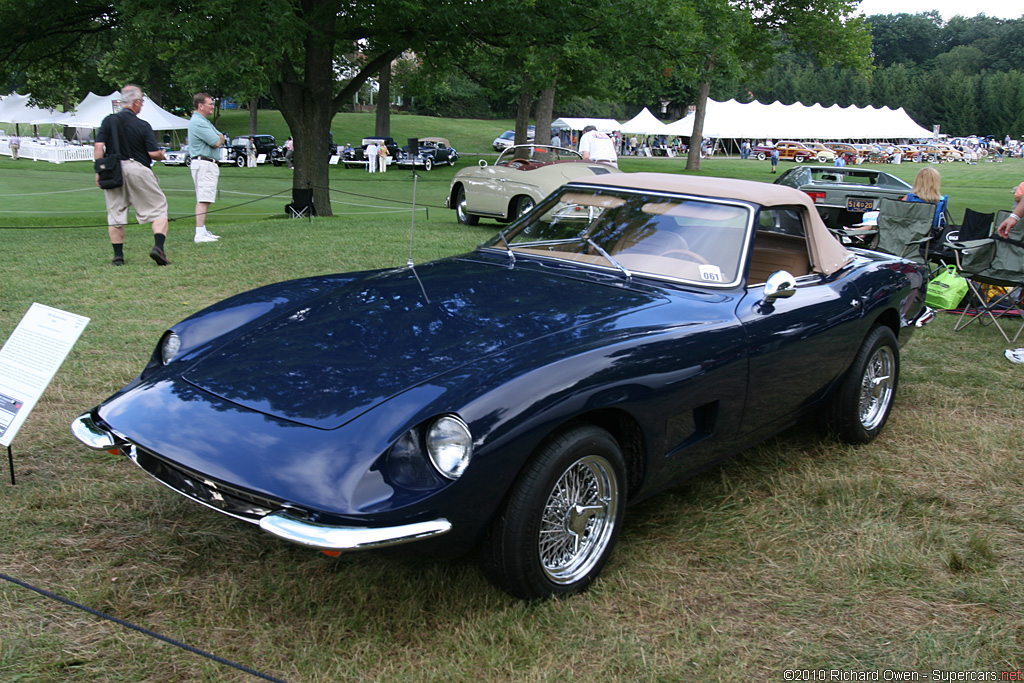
450 446
169 347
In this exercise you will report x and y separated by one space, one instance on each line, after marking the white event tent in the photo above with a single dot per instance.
755 120
568 123
89 114
644 123
91 111
15 109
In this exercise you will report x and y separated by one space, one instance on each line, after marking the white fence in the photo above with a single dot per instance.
54 151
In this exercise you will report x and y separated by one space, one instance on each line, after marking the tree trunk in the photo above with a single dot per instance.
697 138
382 128
254 105
545 114
523 113
308 103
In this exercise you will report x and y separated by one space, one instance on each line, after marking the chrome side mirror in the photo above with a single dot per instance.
482 163
779 285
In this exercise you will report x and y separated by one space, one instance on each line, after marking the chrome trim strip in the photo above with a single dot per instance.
924 317
324 537
88 432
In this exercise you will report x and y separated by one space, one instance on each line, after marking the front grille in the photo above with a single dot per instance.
231 501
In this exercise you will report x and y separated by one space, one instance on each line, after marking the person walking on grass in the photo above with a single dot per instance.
136 145
203 140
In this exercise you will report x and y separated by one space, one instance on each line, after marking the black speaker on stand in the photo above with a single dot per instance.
414 147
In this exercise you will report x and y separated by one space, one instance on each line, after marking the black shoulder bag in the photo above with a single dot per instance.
109 167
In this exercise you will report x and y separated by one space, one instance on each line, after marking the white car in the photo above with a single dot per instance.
508 138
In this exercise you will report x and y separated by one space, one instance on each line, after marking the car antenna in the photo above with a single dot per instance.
412 230
412 235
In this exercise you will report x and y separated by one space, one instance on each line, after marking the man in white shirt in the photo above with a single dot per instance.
371 156
598 146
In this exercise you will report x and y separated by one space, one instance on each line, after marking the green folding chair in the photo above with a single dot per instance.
903 227
997 262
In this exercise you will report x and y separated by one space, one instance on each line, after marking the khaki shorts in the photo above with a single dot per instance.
205 175
141 189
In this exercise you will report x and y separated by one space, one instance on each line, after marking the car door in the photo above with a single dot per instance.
485 190
798 345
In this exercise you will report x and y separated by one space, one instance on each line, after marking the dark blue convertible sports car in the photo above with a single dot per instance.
631 330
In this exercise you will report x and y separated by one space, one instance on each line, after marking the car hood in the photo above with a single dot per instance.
326 361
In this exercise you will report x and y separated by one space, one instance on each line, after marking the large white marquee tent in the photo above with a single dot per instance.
755 120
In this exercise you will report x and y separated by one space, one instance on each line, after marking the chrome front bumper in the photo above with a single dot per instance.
337 538
253 509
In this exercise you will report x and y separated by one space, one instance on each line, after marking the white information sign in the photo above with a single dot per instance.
30 358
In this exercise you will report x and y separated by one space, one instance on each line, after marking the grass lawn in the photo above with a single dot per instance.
904 555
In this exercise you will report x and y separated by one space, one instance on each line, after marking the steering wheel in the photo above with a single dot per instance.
519 161
687 255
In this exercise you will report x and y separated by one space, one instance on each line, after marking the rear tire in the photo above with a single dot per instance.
524 205
861 406
560 522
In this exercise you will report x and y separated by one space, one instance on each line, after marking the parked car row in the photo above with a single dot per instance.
824 152
235 152
431 152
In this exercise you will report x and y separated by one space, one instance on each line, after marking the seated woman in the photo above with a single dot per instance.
926 189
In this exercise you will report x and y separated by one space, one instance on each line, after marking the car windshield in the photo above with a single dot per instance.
691 239
538 154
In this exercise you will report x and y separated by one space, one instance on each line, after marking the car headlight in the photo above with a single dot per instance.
169 347
449 445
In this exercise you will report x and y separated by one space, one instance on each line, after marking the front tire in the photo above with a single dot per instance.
240 161
561 520
428 163
461 214
761 156
861 406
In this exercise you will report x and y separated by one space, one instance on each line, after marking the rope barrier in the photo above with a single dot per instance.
140 629
218 210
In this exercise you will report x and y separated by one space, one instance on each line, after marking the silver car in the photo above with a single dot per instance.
843 193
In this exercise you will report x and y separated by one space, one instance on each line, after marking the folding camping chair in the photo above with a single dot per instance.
997 262
904 228
975 226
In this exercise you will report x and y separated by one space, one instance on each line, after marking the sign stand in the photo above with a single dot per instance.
28 361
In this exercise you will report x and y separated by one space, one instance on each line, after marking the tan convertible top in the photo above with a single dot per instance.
827 254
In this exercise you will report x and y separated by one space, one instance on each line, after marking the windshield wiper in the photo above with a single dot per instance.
508 247
605 254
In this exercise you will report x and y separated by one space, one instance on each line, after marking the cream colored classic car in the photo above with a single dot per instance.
516 182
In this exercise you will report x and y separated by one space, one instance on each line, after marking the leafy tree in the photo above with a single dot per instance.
291 47
905 38
749 34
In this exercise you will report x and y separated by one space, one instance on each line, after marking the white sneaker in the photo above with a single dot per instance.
211 235
203 237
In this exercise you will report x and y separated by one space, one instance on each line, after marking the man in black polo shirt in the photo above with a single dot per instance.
137 148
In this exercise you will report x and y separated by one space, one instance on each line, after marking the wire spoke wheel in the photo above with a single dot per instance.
877 387
860 407
577 522
560 522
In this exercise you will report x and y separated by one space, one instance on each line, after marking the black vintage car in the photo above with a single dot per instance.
430 153
356 156
238 147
